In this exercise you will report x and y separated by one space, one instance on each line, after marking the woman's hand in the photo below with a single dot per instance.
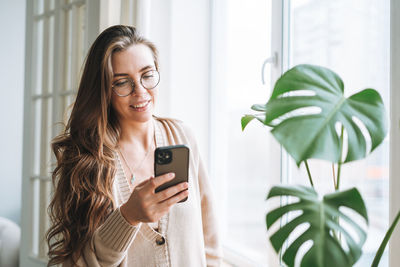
145 205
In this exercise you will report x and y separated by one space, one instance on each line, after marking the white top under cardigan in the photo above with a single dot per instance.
187 236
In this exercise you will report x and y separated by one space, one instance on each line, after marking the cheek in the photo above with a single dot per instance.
154 94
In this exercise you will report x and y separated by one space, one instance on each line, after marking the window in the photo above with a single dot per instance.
350 37
244 164
55 48
247 162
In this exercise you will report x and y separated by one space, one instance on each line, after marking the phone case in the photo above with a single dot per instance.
172 159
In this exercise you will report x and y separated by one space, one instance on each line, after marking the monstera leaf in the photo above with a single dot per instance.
321 217
312 133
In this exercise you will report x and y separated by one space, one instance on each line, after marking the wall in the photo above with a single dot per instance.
180 30
12 32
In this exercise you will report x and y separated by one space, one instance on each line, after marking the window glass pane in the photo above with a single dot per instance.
352 38
250 159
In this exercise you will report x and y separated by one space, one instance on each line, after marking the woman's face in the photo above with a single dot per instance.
132 63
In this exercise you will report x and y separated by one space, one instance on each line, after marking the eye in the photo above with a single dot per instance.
148 76
121 83
151 74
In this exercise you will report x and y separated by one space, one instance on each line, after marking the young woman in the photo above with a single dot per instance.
105 211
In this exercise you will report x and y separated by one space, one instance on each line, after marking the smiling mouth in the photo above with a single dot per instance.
142 105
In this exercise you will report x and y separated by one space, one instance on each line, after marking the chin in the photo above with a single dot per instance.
142 116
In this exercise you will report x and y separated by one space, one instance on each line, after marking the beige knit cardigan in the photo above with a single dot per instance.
187 236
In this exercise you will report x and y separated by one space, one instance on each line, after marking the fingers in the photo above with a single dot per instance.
171 191
162 179
166 204
144 205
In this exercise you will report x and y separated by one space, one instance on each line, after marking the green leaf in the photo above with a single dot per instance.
311 134
321 217
385 240
246 119
259 107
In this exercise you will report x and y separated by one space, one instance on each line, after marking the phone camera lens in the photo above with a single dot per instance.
164 157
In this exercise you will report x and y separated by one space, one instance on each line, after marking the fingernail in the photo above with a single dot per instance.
171 174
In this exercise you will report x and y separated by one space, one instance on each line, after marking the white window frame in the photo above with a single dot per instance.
394 205
35 199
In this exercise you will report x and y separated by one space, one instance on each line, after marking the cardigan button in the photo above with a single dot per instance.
160 240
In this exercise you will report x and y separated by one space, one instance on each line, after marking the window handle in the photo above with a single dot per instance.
271 60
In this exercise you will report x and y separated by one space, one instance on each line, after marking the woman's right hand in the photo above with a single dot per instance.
145 205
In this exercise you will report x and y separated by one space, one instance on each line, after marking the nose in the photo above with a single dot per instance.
139 89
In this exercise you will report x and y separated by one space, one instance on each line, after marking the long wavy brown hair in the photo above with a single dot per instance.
85 170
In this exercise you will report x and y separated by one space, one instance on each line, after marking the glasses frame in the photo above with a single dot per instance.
133 83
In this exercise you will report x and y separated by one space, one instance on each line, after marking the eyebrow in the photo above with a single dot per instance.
141 70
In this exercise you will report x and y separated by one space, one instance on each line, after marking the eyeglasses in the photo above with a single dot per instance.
126 86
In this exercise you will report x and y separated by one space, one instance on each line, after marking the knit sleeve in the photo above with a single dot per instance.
109 244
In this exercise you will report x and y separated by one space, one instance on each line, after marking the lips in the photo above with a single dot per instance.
141 105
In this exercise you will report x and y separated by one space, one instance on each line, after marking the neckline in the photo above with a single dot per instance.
159 141
156 138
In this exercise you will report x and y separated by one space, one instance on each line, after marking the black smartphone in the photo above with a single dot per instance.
172 159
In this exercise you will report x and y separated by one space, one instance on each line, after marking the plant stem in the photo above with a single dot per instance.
385 240
340 159
337 183
309 173
338 176
333 175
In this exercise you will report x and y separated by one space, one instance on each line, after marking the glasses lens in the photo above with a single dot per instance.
123 87
150 79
